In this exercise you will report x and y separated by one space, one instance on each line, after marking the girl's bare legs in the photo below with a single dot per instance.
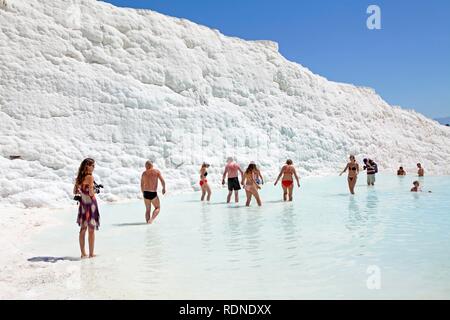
351 184
208 190
91 242
148 209
284 193
249 198
203 192
290 189
258 199
82 242
156 204
354 184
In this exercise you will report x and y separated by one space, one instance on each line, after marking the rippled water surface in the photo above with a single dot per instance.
326 244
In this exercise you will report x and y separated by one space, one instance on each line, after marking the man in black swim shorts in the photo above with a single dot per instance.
149 187
231 169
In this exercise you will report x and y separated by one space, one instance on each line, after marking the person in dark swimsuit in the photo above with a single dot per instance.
149 186
353 171
421 171
204 182
88 213
232 169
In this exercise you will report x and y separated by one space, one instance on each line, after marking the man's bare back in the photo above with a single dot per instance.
150 180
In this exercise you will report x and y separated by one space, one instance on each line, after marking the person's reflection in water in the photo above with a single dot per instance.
253 234
355 217
291 237
87 279
372 201
233 238
153 262
206 233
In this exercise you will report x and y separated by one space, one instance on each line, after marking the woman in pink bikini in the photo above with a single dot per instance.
250 185
288 172
204 183
88 214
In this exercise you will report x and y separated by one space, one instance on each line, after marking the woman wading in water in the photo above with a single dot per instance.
204 182
288 173
353 171
250 185
88 214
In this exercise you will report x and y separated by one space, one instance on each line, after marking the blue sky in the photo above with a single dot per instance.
407 62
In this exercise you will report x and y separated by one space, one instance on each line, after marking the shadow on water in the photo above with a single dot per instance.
53 259
274 201
237 206
130 224
205 202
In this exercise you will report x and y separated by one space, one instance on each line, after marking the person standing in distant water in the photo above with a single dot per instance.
353 171
421 171
250 185
231 169
401 172
287 182
416 187
88 213
371 168
149 188
204 183
257 174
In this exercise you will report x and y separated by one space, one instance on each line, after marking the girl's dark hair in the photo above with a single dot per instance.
289 162
205 165
251 167
82 170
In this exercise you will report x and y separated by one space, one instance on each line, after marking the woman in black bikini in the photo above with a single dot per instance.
204 183
353 171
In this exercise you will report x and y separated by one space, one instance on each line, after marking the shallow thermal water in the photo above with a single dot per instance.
326 244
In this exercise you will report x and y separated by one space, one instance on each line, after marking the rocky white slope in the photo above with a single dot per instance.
84 78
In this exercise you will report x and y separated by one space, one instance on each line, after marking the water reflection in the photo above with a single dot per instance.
356 218
206 233
291 236
253 235
318 243
372 201
233 237
154 260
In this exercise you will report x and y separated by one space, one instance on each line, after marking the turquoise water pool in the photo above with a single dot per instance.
383 243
